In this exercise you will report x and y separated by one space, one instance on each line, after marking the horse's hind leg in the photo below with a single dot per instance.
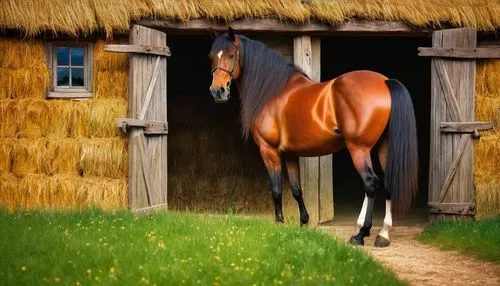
363 164
382 239
292 165
272 161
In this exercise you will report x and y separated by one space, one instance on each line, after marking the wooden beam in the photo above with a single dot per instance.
270 25
452 208
150 127
465 127
139 49
461 53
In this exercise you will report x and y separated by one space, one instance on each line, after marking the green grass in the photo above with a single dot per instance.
480 239
165 248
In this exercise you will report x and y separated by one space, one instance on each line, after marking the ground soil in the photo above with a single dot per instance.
417 263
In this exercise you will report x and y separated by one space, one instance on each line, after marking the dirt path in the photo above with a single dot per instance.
421 264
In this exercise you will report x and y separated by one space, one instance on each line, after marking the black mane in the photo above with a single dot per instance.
264 73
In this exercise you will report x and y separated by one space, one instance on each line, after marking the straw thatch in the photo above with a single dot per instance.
88 16
487 149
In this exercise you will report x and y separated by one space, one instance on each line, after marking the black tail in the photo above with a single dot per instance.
401 177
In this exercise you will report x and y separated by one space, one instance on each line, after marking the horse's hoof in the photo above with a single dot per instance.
280 220
304 220
357 240
381 241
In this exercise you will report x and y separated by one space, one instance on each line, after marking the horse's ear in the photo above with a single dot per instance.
213 33
232 36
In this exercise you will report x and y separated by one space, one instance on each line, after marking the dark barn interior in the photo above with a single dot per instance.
212 169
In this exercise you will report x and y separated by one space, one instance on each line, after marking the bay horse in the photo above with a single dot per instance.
289 115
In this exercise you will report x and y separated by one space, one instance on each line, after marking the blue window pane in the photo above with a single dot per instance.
77 56
62 76
62 56
77 77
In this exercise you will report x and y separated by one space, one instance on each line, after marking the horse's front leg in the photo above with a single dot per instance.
272 160
292 166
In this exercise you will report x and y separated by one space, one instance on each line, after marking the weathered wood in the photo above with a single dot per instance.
465 127
452 208
146 172
448 93
149 127
147 155
453 168
270 25
139 49
460 53
452 100
149 93
151 208
67 95
309 167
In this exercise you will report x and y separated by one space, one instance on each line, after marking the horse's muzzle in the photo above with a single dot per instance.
220 95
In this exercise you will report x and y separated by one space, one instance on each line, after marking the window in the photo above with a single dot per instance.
71 66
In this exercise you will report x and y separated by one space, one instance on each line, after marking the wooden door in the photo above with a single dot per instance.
451 189
147 123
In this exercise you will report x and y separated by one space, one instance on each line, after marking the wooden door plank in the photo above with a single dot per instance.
448 93
140 49
149 92
453 168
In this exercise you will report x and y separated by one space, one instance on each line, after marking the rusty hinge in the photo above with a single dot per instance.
150 127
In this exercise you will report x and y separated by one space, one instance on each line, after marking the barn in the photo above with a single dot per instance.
106 103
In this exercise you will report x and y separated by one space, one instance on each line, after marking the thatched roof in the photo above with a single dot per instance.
87 16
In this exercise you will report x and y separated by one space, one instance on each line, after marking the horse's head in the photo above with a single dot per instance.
225 55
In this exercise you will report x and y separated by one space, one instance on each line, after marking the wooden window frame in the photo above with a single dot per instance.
62 92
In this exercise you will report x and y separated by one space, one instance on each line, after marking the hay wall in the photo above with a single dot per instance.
487 149
60 153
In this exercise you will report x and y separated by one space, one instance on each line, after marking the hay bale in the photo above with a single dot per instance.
107 61
487 149
63 156
9 196
32 117
110 73
59 118
105 157
29 156
5 155
8 123
79 119
111 84
34 191
103 114
488 196
104 193
23 69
